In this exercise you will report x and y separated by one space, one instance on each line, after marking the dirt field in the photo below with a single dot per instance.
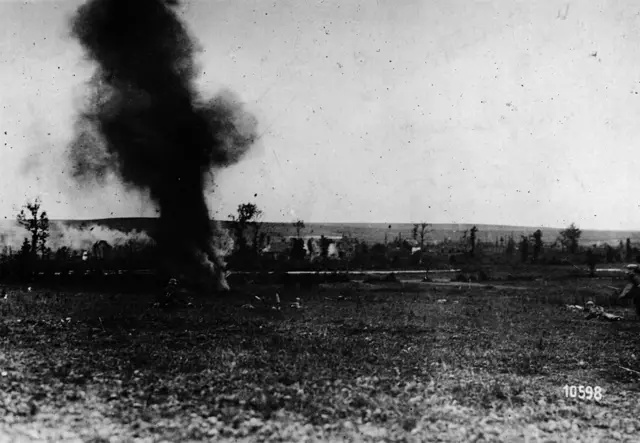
364 362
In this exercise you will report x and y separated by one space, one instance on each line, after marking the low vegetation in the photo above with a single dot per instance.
483 355
394 361
248 245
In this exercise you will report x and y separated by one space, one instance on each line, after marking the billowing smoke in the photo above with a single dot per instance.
146 123
314 253
11 236
83 239
223 243
73 238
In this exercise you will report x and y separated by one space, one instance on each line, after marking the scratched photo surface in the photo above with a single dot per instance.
319 221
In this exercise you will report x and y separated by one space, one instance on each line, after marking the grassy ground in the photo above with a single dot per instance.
382 363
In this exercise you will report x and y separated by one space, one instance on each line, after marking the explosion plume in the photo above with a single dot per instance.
146 123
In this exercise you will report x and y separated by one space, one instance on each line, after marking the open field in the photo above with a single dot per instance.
366 362
375 232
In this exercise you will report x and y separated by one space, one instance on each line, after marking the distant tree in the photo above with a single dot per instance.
569 237
378 254
472 240
37 224
511 246
25 249
610 253
421 231
464 239
524 249
297 252
629 251
361 255
258 238
592 260
263 242
248 217
537 244
398 241
386 235
25 260
324 246
299 225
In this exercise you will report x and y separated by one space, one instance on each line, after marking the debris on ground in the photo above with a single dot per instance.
598 312
212 375
593 311
629 370
263 304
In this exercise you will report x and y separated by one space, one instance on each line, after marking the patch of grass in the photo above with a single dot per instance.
377 362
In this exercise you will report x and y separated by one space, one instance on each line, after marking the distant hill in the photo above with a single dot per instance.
375 232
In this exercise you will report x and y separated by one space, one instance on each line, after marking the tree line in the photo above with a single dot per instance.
252 246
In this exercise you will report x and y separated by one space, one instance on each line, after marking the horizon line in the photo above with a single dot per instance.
368 223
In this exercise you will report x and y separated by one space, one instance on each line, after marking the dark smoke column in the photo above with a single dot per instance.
146 122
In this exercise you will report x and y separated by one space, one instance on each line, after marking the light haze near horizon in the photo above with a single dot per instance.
497 112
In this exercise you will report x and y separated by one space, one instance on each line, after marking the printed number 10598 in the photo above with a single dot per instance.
583 392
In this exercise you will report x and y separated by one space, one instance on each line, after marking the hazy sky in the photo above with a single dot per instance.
504 112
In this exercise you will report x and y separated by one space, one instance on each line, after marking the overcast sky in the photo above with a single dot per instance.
502 112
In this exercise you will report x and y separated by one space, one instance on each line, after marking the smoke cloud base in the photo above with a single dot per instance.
145 122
